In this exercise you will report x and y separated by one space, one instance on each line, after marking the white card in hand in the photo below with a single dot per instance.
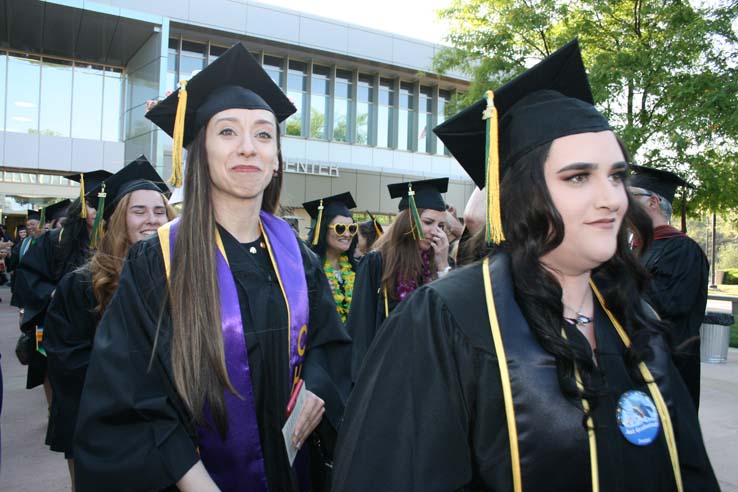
289 427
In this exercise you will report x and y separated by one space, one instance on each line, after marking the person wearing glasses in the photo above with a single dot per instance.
538 368
413 252
679 272
333 238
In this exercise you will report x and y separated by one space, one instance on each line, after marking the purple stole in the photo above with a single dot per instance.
236 463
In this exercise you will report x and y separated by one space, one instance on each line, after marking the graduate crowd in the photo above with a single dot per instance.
543 341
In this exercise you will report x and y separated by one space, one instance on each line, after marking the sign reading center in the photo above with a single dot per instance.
312 167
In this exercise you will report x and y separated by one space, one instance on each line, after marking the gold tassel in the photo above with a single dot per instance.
97 226
178 137
82 214
316 231
377 226
415 226
494 214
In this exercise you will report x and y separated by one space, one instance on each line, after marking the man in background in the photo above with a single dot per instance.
679 269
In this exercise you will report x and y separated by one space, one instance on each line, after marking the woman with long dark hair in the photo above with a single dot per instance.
333 239
413 253
223 331
135 207
539 368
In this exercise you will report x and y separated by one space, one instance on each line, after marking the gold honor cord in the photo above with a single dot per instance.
512 429
281 286
655 394
593 462
386 304
163 233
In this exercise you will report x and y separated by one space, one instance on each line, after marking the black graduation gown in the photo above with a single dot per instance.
367 309
132 430
427 412
678 293
68 336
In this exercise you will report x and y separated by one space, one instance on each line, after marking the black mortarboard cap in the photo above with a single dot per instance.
332 205
234 80
427 193
661 182
33 215
57 210
93 180
137 175
548 101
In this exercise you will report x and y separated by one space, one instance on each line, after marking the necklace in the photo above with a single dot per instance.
581 319
343 284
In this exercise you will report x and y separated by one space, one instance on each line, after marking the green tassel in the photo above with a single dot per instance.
415 225
97 226
43 218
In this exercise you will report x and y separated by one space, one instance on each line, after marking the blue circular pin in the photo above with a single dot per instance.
637 418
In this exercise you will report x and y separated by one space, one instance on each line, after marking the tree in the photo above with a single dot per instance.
664 73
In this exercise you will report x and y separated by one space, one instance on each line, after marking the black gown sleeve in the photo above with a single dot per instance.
131 434
364 317
35 279
68 337
697 472
419 440
327 366
677 274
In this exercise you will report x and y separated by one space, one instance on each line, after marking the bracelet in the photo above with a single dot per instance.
443 272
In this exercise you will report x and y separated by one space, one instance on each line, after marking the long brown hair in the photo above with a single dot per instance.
107 262
400 255
198 359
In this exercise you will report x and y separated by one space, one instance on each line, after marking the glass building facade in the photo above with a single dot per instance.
60 97
337 103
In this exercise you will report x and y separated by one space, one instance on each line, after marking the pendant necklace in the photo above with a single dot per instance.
581 319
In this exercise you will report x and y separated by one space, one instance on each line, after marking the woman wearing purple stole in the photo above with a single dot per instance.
220 320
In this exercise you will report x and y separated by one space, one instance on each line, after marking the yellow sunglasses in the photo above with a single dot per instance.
340 229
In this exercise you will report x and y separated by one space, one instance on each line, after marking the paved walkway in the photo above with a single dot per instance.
29 466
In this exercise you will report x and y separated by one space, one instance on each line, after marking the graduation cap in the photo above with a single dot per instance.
663 183
234 80
548 101
137 175
89 184
33 214
330 206
419 194
377 226
57 210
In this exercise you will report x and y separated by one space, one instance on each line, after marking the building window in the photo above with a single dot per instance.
112 102
319 99
297 92
172 61
23 94
386 113
425 108
274 66
56 97
443 99
364 108
406 124
191 59
87 96
3 68
342 105
215 52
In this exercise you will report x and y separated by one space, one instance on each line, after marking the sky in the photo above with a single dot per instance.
412 18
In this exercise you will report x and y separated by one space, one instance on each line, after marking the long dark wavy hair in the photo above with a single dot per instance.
198 359
533 227
75 240
322 246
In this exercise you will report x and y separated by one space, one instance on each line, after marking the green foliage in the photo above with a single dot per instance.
734 335
664 73
731 277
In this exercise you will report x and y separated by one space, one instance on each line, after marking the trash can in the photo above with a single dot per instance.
715 337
